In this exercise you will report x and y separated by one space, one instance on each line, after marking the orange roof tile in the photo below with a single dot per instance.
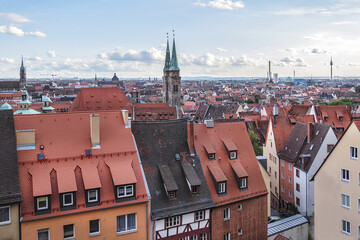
216 171
66 179
90 176
238 168
122 171
40 180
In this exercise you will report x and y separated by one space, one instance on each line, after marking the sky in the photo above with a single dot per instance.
216 38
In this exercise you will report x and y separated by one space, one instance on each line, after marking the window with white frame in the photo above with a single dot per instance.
42 203
43 234
243 183
233 155
222 187
172 221
290 166
125 191
199 215
203 236
353 153
282 163
172 194
239 207
282 189
345 201
282 175
240 232
226 214
93 195
94 226
345 226
345 175
211 156
126 223
227 236
290 194
193 237
5 215
68 199
69 232
290 180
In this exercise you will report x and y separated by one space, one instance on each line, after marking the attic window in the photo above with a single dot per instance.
211 156
233 155
222 187
40 156
340 119
312 146
172 194
325 119
317 132
194 189
177 156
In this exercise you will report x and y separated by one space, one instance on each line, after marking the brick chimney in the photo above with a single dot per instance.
95 130
310 129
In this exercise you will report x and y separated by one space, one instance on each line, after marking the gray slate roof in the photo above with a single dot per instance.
285 224
9 173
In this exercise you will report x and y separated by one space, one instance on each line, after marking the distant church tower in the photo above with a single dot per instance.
171 78
22 82
331 64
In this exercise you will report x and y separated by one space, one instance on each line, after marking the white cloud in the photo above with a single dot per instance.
339 9
292 61
352 64
13 17
119 54
221 49
221 4
7 60
35 58
51 53
318 51
14 30
36 34
344 23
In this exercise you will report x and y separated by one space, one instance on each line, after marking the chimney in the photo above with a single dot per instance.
95 130
309 131
125 115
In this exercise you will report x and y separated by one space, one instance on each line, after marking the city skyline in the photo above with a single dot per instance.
218 38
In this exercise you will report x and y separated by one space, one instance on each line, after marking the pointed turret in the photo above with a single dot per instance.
174 63
22 63
22 82
331 72
167 56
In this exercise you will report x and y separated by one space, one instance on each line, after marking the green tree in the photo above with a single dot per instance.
257 98
249 101
344 101
255 143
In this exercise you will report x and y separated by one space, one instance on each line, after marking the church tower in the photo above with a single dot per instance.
172 79
22 82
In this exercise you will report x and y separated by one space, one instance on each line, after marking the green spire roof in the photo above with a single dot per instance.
167 57
22 63
5 106
174 63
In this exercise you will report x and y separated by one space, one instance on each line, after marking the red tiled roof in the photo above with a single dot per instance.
154 111
357 123
245 156
216 172
229 144
99 99
65 137
238 169
122 171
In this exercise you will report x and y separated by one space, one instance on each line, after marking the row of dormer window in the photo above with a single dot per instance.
232 155
222 186
68 200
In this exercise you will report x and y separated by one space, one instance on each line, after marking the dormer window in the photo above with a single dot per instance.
67 201
92 195
195 189
172 194
243 183
325 119
222 187
42 203
233 155
340 119
211 156
125 191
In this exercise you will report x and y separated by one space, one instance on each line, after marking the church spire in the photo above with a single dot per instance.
22 63
174 63
167 57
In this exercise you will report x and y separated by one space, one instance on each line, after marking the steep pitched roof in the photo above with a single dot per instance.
9 174
158 143
154 111
64 138
100 99
333 114
245 164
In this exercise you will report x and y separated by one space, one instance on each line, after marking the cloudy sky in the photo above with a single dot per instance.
220 38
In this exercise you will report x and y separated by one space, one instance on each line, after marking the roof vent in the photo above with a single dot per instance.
88 152
40 156
209 123
177 156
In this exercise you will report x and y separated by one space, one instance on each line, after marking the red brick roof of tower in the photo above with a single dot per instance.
100 99
236 131
65 137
